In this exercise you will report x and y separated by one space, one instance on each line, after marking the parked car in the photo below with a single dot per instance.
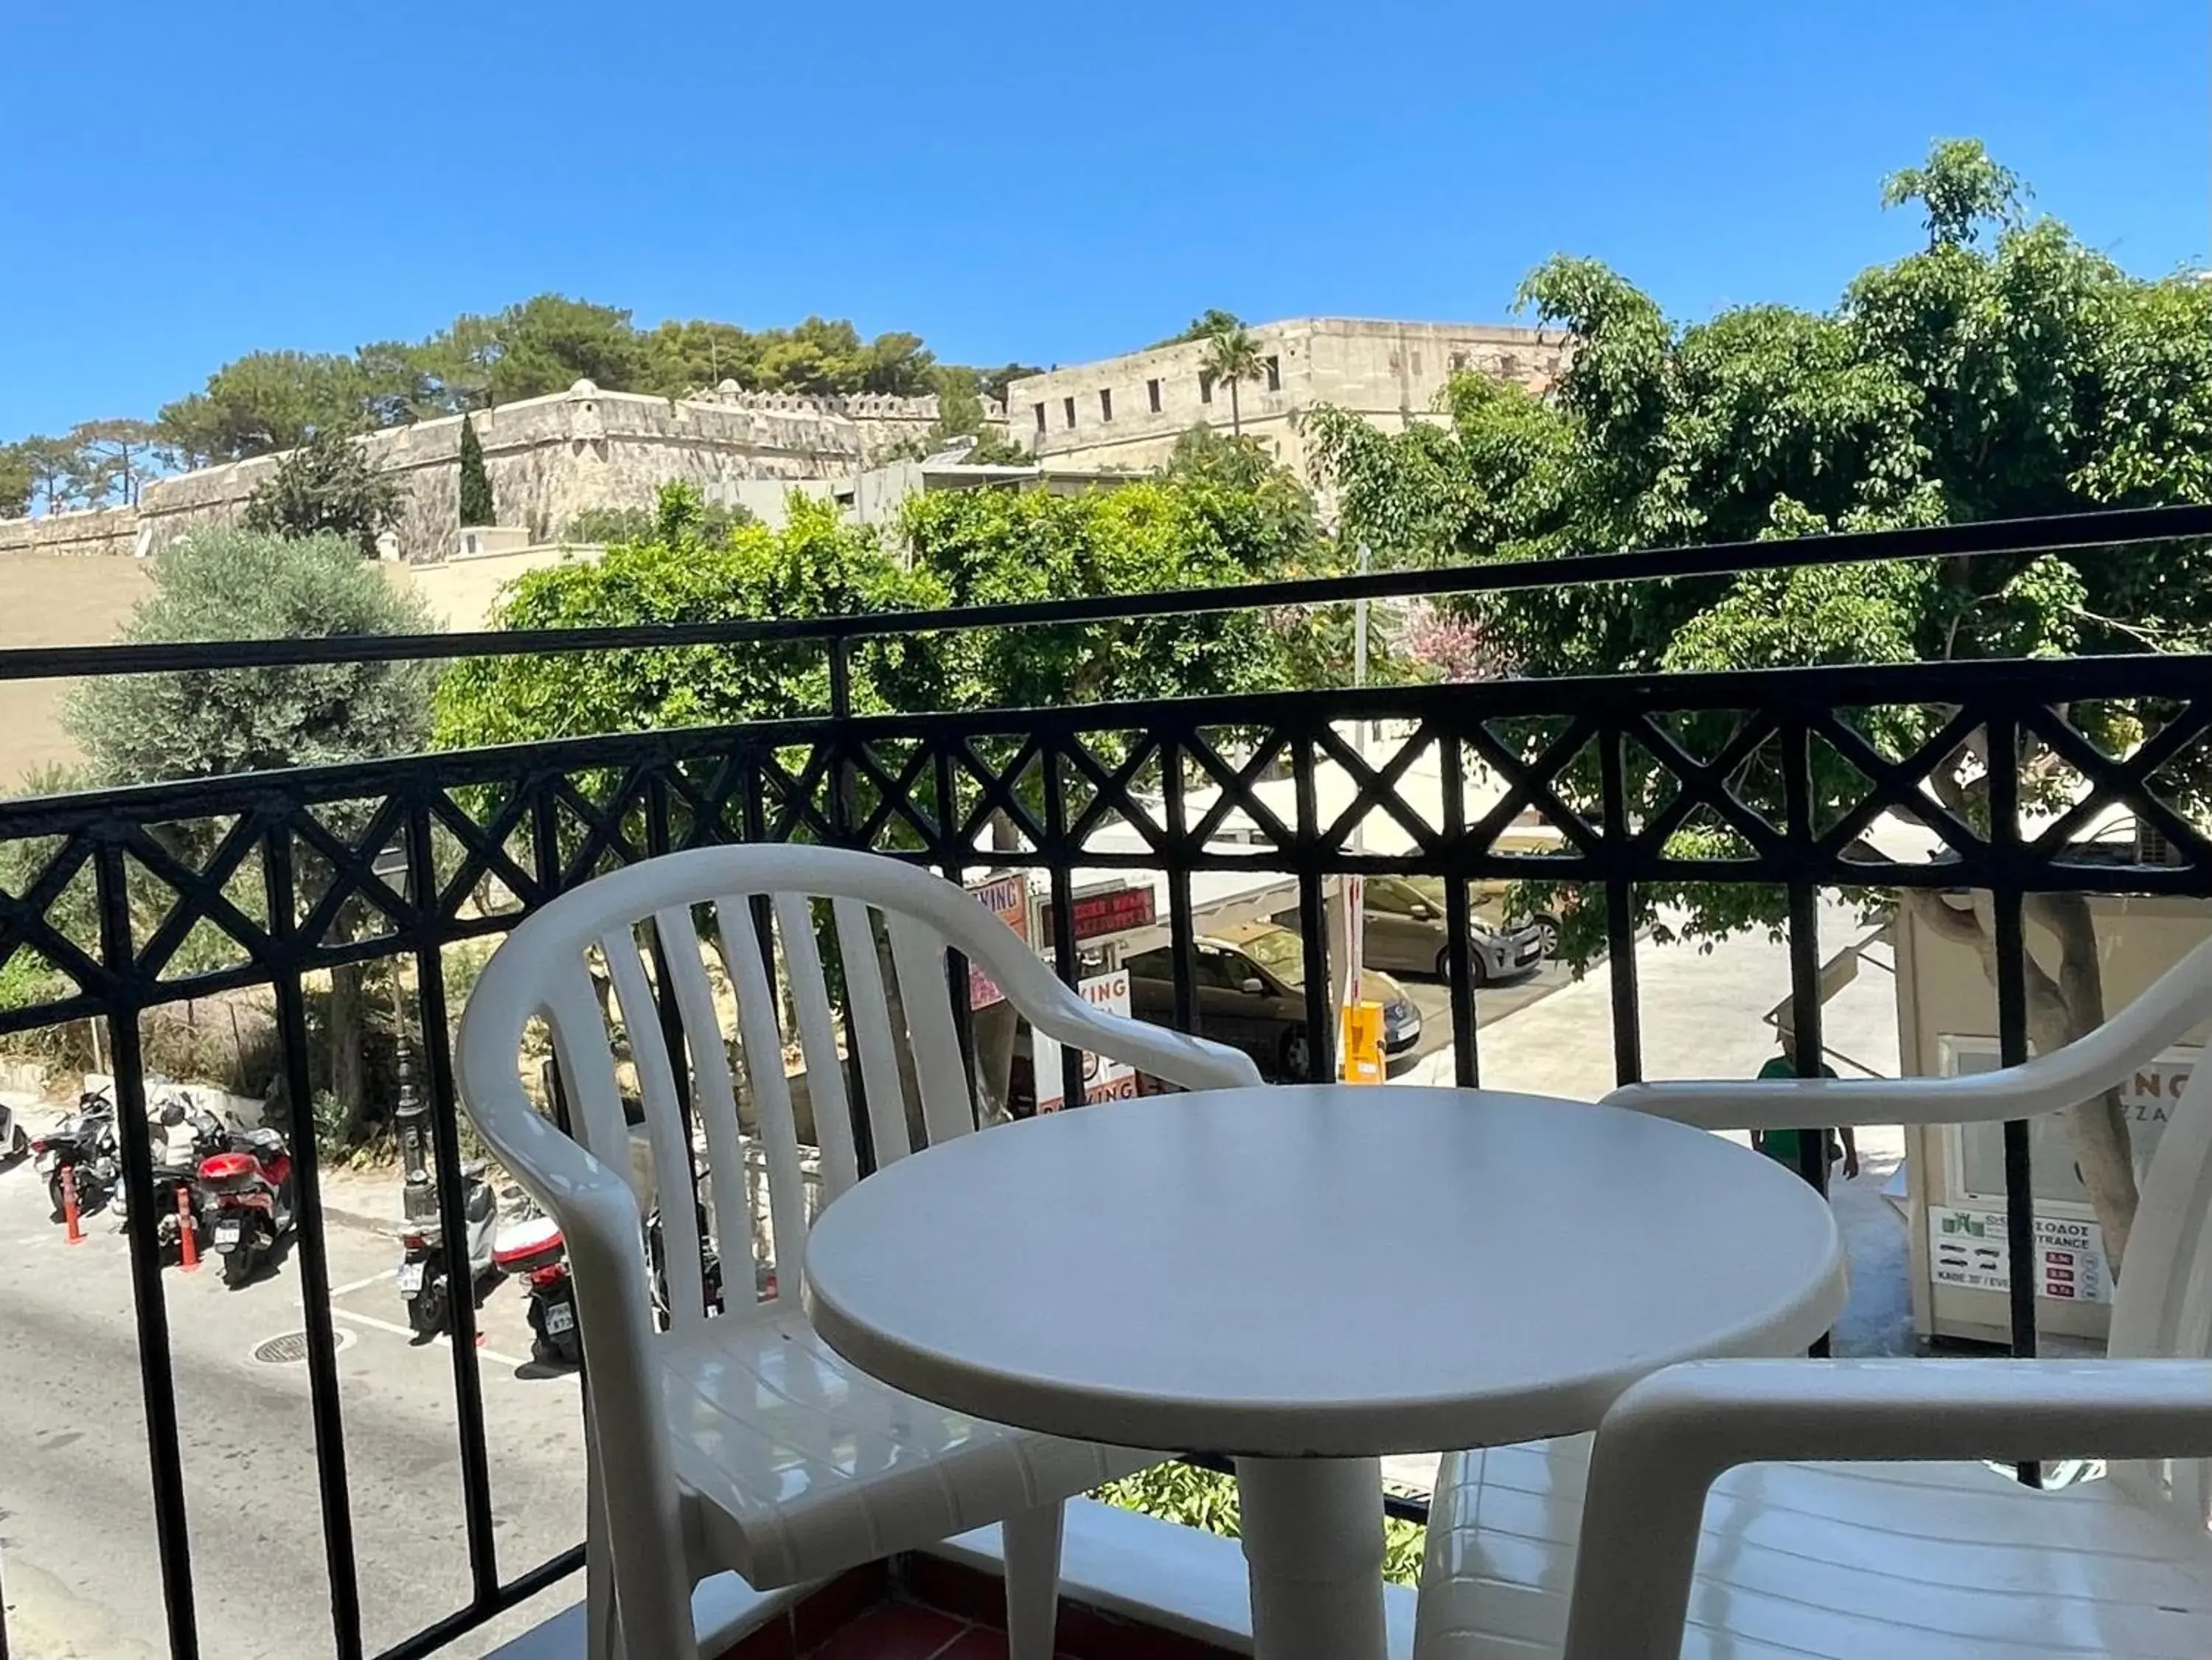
1251 995
1404 931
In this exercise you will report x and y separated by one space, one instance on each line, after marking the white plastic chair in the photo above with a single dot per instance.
1695 1541
742 1442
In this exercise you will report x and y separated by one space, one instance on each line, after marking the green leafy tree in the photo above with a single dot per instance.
56 469
1969 381
684 357
328 486
17 481
476 506
118 453
961 416
994 546
209 723
1232 357
262 402
816 566
1206 325
710 522
548 343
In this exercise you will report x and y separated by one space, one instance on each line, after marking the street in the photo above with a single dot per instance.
78 1563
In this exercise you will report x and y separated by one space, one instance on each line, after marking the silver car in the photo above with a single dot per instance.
1405 931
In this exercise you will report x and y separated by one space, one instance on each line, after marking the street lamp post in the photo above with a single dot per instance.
410 1114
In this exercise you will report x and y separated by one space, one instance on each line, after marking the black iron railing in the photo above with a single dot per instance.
273 877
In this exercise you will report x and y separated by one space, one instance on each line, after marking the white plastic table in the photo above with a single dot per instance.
1309 1278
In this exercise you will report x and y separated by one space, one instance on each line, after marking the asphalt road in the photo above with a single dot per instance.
1432 998
78 1565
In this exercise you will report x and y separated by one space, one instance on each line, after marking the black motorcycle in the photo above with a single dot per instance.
710 1266
84 1146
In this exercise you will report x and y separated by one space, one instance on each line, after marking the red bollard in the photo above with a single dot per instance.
75 1235
188 1257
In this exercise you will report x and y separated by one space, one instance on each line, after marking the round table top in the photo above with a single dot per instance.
1323 1271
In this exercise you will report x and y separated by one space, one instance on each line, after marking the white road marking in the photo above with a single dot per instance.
398 1330
363 1285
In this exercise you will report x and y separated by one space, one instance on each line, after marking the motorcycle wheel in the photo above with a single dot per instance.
54 1193
238 1266
426 1309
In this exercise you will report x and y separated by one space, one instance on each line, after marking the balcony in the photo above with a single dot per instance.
358 1493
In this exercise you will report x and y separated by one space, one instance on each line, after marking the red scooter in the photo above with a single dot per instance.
533 1250
246 1197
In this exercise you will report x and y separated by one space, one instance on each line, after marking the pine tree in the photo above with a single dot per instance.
475 483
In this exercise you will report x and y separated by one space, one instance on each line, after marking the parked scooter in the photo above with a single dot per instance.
84 1145
15 1140
246 1196
423 1281
179 1136
532 1249
710 1265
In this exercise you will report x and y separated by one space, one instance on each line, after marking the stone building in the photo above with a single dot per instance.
549 459
1126 412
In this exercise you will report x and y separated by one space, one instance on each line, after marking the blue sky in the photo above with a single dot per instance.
1044 183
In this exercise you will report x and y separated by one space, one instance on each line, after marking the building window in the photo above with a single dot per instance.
1153 395
1417 366
1205 387
1068 406
1040 417
1105 403
1274 374
1458 361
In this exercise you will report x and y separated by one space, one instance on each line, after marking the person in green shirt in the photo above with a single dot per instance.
1782 1145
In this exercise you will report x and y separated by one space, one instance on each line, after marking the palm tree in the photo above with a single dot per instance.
1231 355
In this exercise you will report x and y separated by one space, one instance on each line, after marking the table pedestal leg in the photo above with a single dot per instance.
1313 1545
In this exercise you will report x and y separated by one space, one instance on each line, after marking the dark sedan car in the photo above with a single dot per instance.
1251 996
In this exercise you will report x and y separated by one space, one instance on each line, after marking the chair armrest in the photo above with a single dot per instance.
2084 1068
1175 1057
1811 1103
1668 1438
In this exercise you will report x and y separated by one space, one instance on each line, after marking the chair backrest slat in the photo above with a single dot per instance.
818 1041
713 1091
870 1010
2163 1307
760 1040
918 956
582 1043
665 1131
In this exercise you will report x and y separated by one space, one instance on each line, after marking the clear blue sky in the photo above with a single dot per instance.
1040 182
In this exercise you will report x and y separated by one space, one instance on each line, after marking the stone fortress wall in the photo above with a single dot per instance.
549 459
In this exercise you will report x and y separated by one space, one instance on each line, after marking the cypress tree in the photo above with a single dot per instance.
475 483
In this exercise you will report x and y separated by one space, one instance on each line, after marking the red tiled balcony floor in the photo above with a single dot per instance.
922 1608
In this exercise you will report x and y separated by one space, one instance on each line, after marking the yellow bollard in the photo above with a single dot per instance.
1362 1042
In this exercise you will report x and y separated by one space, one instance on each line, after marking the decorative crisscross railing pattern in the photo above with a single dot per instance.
140 897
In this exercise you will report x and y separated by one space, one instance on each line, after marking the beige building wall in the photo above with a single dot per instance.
49 599
461 593
1128 412
1943 995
